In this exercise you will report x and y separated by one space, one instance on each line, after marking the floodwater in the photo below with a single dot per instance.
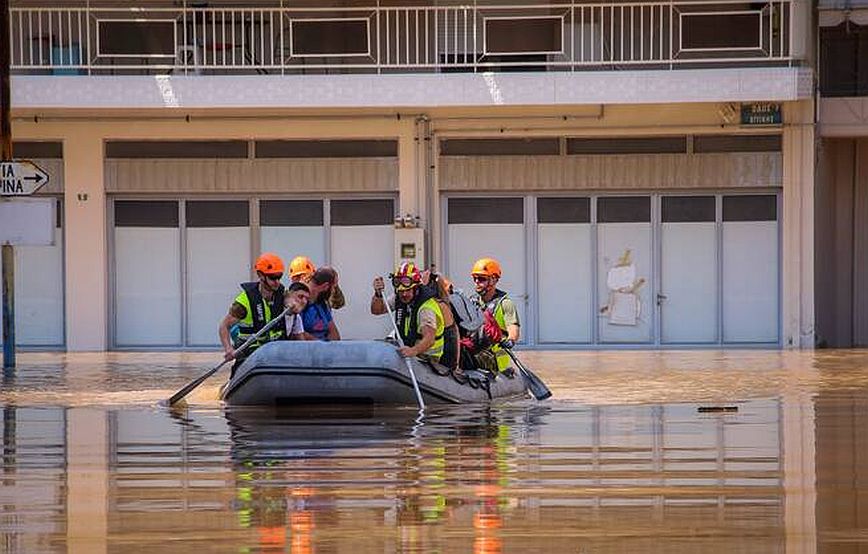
699 451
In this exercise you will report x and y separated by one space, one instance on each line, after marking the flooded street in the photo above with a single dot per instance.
646 451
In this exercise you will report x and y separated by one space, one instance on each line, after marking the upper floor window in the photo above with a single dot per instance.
844 60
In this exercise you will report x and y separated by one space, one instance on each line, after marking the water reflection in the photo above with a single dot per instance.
780 472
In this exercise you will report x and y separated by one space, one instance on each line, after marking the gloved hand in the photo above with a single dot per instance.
507 343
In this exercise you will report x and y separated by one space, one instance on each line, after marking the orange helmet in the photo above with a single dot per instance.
269 264
487 267
301 265
406 276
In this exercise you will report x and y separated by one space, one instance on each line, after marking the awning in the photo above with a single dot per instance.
835 12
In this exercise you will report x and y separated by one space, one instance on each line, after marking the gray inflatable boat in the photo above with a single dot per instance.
366 372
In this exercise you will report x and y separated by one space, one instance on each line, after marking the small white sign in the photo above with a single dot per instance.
27 221
21 178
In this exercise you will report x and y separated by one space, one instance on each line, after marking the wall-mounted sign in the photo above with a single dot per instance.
27 221
761 113
21 178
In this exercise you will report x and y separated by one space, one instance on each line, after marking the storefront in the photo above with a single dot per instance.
641 264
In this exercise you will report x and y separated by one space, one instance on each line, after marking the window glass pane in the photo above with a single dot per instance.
563 210
688 208
736 143
326 148
500 147
290 213
176 149
45 150
750 208
624 209
146 213
486 210
341 37
516 36
363 212
720 30
218 213
136 38
632 145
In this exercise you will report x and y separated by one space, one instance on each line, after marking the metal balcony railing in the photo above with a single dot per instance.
565 37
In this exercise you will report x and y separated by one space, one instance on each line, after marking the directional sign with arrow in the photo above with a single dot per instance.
21 178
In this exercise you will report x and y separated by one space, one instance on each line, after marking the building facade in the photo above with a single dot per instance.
842 173
643 171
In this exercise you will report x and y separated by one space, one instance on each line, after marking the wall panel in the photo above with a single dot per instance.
611 172
303 175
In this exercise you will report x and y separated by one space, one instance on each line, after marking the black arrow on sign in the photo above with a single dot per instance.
37 178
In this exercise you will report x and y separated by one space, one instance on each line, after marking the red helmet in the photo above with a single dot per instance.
406 276
269 264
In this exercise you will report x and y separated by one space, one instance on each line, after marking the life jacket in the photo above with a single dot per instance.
494 309
407 321
259 313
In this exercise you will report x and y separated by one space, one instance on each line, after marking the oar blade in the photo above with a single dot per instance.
537 388
535 385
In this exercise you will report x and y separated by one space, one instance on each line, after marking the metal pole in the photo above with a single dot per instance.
8 307
6 154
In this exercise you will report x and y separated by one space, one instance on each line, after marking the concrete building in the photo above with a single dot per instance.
842 177
643 171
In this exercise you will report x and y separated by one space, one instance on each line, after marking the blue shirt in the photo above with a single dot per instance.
316 318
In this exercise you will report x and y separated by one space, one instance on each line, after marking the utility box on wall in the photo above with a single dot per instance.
410 246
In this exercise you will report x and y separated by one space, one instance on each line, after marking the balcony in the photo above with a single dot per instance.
566 36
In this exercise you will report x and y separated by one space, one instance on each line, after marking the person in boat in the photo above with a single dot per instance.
418 316
317 316
501 314
295 298
258 302
301 269
440 288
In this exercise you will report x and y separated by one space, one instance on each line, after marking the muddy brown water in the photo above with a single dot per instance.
699 451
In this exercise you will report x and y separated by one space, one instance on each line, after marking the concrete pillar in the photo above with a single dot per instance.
86 481
85 236
409 170
798 225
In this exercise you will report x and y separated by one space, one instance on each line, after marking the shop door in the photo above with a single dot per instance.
625 286
565 270
494 228
688 297
362 247
39 292
218 260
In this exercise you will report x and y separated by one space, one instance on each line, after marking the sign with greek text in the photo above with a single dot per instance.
761 113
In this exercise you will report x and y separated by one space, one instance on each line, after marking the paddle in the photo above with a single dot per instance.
407 360
535 385
200 379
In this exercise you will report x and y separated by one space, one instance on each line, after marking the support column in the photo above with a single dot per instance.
798 225
85 240
409 171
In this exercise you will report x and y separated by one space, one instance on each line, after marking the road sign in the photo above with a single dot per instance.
21 178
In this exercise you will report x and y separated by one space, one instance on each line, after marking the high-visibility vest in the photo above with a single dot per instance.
410 334
259 313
